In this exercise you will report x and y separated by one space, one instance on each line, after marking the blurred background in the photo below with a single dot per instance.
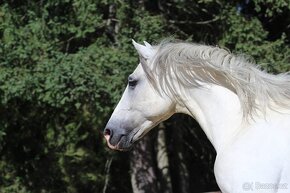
63 68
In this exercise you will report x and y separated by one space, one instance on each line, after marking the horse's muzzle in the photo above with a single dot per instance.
116 141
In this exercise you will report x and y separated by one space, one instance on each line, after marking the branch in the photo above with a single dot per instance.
107 170
195 22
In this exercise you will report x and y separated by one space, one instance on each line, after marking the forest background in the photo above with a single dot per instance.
64 65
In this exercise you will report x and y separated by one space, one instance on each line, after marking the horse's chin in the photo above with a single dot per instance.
120 147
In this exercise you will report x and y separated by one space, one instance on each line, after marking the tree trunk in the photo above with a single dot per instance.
183 175
143 176
162 161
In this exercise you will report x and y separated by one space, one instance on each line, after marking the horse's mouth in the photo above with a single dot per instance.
127 140
122 145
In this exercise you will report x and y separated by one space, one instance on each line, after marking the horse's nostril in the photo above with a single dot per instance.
107 132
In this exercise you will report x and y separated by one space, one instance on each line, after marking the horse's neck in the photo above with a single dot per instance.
218 112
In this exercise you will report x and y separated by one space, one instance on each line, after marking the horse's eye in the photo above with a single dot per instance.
132 82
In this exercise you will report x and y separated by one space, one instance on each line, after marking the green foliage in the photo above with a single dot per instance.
63 67
60 77
271 7
247 36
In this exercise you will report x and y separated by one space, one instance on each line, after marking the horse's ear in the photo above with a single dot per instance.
144 51
148 45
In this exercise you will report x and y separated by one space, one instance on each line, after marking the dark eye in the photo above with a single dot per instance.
132 82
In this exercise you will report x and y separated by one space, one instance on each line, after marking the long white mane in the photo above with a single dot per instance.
193 64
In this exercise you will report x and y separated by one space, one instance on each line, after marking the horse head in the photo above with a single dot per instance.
141 107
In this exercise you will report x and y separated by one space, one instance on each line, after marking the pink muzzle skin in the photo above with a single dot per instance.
107 137
113 147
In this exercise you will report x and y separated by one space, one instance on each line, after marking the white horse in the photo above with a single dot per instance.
244 111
